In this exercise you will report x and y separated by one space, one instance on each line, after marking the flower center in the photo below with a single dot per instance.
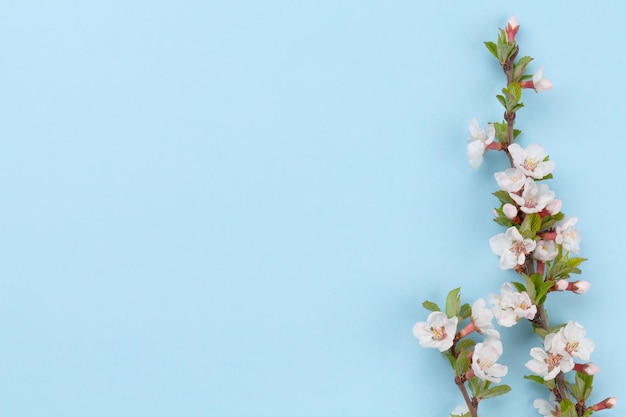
571 346
530 163
518 248
484 364
530 202
439 333
553 361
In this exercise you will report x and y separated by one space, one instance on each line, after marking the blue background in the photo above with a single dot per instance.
222 208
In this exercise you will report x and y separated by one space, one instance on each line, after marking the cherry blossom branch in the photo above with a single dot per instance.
537 233
538 244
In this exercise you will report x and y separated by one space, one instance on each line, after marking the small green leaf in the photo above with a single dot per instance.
519 286
461 365
547 177
475 385
502 130
520 67
495 391
450 357
503 196
493 48
530 287
429 305
542 291
465 344
501 100
574 262
466 311
535 378
577 393
503 221
540 332
568 409
530 226
586 384
453 303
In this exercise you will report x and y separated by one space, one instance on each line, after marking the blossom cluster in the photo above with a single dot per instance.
561 348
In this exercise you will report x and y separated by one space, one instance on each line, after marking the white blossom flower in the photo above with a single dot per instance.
482 317
531 160
477 142
437 332
554 359
548 408
554 206
540 83
568 236
534 196
510 180
546 250
511 247
510 306
484 361
573 335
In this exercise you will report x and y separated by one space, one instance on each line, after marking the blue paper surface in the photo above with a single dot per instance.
236 208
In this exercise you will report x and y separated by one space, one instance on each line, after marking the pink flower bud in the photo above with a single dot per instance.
510 211
538 83
606 403
561 285
580 287
554 206
512 26
586 368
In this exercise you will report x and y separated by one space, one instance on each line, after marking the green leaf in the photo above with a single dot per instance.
574 262
464 345
548 221
501 100
585 382
577 393
429 305
495 391
503 221
530 287
450 357
466 311
540 332
502 130
519 286
542 291
547 177
475 385
563 266
535 378
568 409
520 67
453 303
503 196
493 48
461 365
530 226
